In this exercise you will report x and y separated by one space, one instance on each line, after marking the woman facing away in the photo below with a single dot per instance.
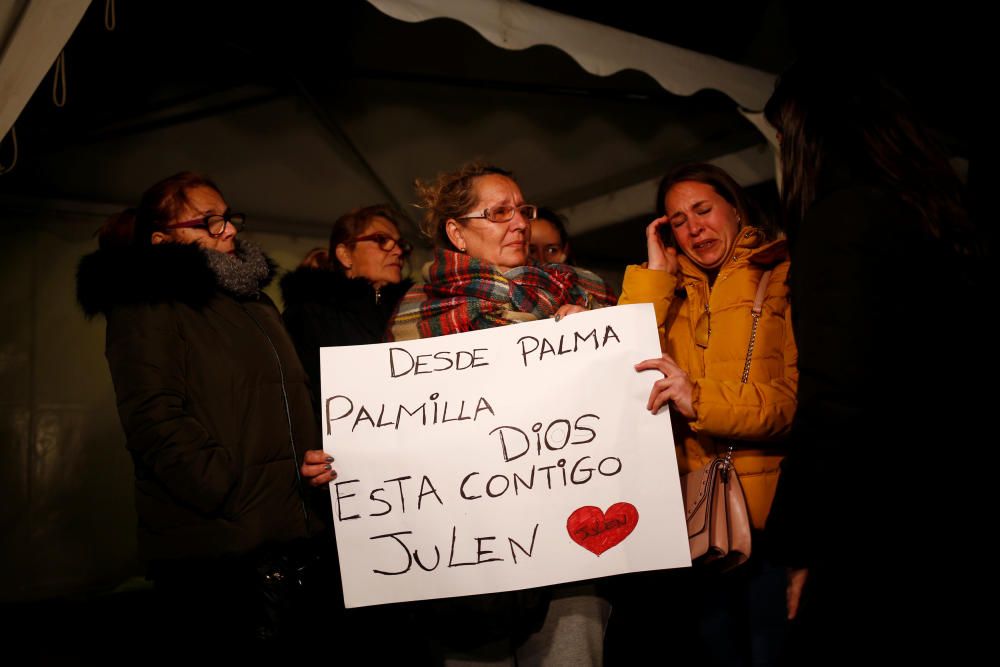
886 297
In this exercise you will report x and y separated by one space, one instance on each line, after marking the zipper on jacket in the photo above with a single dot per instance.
288 413
709 284
702 330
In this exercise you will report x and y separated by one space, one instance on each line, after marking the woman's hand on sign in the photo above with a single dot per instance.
675 387
317 467
568 309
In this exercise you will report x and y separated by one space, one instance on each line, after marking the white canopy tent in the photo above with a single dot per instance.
603 51
300 112
32 33
391 111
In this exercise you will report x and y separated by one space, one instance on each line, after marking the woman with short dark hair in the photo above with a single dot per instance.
349 298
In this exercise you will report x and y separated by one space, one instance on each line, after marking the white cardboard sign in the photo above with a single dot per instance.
496 460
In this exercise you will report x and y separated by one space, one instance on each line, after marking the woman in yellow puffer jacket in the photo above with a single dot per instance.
705 263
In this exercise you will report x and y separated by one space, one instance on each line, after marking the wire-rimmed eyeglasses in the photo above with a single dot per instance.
504 213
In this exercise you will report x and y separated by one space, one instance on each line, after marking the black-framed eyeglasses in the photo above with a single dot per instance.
215 224
504 213
386 243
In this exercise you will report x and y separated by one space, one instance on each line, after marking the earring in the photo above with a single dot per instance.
462 249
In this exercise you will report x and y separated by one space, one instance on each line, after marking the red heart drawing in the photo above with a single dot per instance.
598 531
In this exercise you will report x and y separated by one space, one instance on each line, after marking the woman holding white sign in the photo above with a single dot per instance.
481 277
706 263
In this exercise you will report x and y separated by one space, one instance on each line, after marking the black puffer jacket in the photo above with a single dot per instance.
213 400
326 309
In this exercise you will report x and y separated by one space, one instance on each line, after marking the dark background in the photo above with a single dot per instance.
183 84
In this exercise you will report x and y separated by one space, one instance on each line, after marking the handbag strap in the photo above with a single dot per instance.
755 311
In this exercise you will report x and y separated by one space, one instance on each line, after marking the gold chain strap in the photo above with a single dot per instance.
755 311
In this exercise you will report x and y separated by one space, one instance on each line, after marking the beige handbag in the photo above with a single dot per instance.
717 517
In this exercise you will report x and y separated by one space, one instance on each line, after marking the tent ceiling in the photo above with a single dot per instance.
599 49
302 113
303 110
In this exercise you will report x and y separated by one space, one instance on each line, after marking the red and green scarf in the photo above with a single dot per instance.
461 293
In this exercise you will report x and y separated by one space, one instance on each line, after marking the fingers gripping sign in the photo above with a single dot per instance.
317 467
676 386
568 309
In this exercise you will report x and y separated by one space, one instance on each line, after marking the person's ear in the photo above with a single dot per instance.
455 234
158 238
343 254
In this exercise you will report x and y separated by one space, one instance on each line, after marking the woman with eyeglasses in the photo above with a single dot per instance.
706 261
347 300
345 297
215 406
480 277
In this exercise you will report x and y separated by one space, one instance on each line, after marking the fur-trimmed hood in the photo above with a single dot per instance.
154 274
322 286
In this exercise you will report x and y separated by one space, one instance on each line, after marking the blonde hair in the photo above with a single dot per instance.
450 195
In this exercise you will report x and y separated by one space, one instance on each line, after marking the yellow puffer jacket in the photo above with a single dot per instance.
753 415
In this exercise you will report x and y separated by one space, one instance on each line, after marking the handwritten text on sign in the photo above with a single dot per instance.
495 460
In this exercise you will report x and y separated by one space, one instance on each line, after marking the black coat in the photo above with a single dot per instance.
327 309
213 400
880 316
875 490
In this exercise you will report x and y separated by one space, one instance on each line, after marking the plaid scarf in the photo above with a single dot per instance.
461 293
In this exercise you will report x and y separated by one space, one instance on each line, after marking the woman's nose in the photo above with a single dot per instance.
519 221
